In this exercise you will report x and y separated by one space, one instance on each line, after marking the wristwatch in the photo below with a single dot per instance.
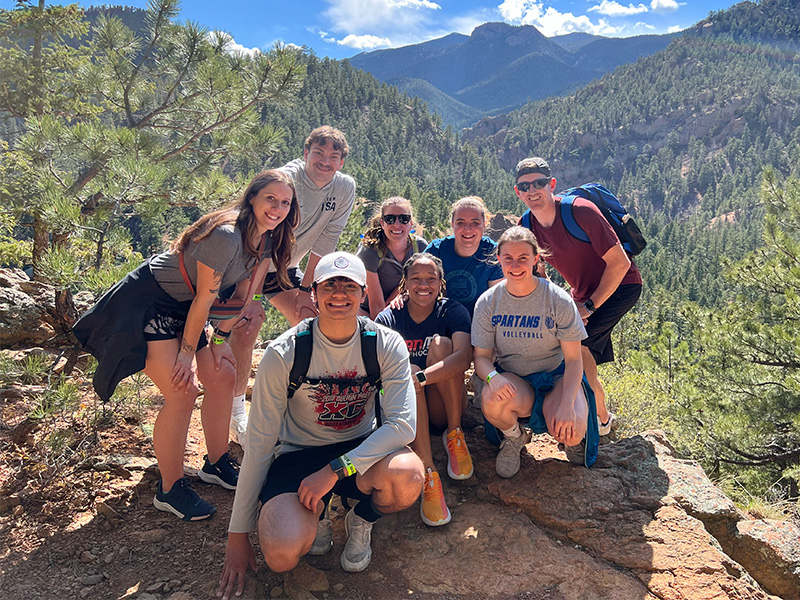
590 306
338 467
304 288
421 377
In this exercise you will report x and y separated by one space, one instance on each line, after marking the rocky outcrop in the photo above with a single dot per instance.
33 313
26 310
640 524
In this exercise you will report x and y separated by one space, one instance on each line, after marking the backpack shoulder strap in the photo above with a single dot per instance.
525 220
369 350
304 343
369 354
568 217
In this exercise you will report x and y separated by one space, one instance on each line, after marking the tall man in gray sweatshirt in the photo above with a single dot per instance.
326 198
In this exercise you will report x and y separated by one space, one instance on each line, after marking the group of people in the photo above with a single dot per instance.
341 403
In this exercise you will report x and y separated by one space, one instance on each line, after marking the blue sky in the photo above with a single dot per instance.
342 28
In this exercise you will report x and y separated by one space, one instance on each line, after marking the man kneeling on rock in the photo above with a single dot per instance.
334 434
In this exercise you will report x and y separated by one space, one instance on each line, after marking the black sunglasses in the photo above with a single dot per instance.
390 219
536 184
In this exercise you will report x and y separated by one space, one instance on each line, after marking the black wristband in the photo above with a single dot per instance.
222 334
304 288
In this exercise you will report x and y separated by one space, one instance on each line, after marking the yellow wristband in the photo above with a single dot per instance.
349 468
490 375
257 297
216 340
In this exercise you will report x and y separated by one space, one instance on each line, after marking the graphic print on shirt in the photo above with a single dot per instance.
521 326
339 399
461 286
419 348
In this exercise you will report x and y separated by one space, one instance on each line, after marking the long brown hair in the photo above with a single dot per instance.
240 214
374 237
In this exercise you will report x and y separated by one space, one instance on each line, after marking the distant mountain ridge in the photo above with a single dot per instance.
500 67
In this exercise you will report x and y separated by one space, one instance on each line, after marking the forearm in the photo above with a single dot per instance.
483 366
308 276
617 265
573 375
195 323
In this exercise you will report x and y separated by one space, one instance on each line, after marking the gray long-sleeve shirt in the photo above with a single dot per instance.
323 414
323 211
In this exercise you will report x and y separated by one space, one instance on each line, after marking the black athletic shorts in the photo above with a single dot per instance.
288 470
272 287
604 319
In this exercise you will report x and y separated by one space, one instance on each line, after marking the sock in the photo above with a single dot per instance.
368 511
513 432
238 406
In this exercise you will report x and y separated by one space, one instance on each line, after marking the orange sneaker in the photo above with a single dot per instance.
432 508
459 462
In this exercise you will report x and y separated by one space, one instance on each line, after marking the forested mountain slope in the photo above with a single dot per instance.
682 135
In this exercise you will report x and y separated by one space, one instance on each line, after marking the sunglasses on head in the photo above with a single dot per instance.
390 219
536 184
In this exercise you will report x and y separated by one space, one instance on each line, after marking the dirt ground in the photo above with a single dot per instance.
88 529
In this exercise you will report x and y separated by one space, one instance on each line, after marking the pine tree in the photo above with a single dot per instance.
124 127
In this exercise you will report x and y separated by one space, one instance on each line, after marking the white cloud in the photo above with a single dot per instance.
550 21
641 25
675 29
610 8
232 46
363 42
369 16
665 6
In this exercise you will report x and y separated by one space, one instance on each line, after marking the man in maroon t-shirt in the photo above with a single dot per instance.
605 282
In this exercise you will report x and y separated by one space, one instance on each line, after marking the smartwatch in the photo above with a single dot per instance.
590 306
421 377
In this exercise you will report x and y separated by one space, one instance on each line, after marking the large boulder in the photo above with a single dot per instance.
638 525
26 310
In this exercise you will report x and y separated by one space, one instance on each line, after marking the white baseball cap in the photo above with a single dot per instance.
341 264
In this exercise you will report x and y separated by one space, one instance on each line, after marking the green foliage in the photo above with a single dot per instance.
33 368
146 123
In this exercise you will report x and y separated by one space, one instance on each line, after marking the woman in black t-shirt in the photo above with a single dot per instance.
436 331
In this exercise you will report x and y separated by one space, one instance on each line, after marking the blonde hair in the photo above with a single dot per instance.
474 202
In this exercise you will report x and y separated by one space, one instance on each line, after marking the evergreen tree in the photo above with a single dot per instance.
126 127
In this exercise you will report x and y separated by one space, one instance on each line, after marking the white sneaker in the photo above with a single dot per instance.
238 428
608 426
324 540
357 551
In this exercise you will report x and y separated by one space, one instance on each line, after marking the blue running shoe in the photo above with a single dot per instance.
183 501
224 472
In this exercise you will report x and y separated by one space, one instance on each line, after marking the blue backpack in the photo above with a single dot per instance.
628 232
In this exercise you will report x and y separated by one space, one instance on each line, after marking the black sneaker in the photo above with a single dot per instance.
224 472
183 501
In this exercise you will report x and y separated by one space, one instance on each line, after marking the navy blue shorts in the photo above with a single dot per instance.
288 471
542 383
272 287
602 321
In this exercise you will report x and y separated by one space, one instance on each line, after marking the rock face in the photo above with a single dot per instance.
641 524
24 315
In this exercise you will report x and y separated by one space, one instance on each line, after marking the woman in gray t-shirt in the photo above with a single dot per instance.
534 331
155 320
